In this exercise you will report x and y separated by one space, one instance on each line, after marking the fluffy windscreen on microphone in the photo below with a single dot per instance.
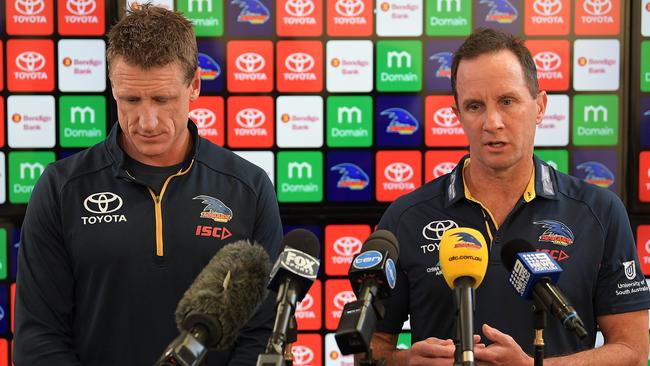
511 249
382 241
228 290
463 253
302 240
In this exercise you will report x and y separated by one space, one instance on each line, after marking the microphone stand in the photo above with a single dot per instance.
292 337
368 360
539 323
458 353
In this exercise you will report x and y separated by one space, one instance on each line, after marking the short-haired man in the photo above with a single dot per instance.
502 190
113 236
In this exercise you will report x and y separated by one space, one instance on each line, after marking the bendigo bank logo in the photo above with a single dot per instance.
401 121
252 11
501 11
209 68
103 204
352 176
597 173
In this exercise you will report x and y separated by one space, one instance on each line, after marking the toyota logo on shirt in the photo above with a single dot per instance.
299 8
299 62
445 117
302 355
443 168
597 7
306 303
434 230
30 61
250 118
547 61
347 246
349 8
398 172
343 298
203 117
81 7
103 203
547 7
250 62
29 7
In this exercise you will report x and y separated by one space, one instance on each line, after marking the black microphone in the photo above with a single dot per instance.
220 301
291 277
372 276
533 276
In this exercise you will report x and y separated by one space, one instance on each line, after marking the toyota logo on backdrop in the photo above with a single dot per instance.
349 8
445 117
597 7
29 7
343 298
81 7
30 61
299 62
547 7
443 168
299 8
250 118
435 229
250 62
398 172
347 246
302 355
103 203
305 304
547 61
203 117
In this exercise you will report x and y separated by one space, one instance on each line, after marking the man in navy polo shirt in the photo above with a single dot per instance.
502 190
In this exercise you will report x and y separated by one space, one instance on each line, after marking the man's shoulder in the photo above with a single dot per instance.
599 199
84 162
225 162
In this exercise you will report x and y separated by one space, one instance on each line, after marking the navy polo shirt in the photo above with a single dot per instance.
584 227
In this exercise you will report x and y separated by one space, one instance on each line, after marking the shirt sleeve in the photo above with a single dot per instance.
45 284
268 233
621 284
397 305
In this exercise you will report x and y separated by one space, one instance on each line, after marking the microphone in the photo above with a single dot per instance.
220 301
463 262
291 277
533 275
372 276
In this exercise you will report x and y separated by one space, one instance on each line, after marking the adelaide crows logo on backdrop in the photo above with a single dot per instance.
210 69
445 59
252 11
214 209
556 232
597 174
501 11
401 121
352 176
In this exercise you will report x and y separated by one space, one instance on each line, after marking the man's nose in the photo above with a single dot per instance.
148 117
493 119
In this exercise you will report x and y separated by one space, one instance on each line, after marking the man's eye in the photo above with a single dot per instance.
507 101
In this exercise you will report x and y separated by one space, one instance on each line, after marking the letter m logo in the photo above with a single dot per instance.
348 115
595 113
401 59
33 169
300 170
82 113
448 5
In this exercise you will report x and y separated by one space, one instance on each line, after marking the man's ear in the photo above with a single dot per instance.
195 85
541 101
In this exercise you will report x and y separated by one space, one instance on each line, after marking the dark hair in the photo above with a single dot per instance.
486 40
151 36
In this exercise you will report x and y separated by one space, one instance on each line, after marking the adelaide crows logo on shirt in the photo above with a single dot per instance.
214 209
556 232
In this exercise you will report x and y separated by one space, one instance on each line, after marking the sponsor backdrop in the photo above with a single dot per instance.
346 104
